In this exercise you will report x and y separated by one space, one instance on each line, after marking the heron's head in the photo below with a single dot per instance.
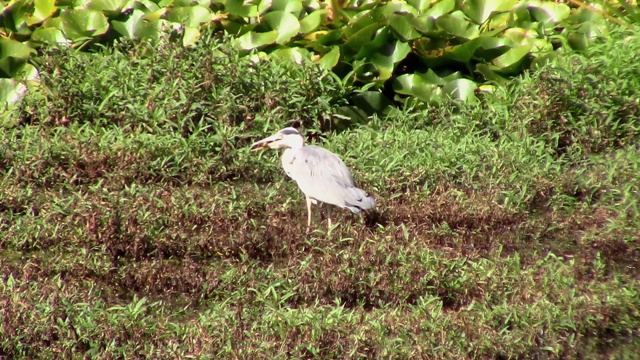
285 138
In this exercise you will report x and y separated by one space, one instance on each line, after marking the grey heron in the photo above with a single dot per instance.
319 173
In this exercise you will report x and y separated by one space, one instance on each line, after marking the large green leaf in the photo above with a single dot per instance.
521 14
459 25
136 26
238 8
452 76
388 56
48 35
584 14
421 5
425 25
42 9
461 89
322 41
189 16
365 71
16 16
402 26
509 61
330 59
420 87
253 40
480 10
148 6
431 77
549 12
13 56
350 113
128 28
381 38
109 6
492 47
190 36
521 37
437 53
177 3
296 55
312 21
363 37
81 23
462 53
284 23
291 6
518 36
372 102
155 15
585 34
395 7
497 23
489 74
430 51
11 91
544 59
54 22
362 20
440 8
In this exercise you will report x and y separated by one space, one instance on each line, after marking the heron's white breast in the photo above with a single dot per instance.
287 162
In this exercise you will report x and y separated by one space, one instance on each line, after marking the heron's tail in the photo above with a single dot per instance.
359 200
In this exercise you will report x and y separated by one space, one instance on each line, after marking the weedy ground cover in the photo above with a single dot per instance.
134 222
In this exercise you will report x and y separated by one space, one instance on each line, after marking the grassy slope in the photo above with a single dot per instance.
138 224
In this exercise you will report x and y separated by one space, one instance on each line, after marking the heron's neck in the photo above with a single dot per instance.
296 142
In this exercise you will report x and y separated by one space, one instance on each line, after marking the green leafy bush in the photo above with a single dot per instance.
173 88
407 50
585 105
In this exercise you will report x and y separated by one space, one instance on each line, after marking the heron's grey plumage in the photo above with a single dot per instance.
322 176
319 173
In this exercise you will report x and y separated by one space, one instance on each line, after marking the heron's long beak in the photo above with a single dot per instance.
264 143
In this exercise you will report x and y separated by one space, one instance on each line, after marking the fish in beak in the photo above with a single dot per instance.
283 138
264 143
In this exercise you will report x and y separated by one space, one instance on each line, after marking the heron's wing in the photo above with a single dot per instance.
322 176
322 165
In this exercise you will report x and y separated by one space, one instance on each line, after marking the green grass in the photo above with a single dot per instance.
135 223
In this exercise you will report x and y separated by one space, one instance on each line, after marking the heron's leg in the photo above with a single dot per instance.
308 212
329 214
